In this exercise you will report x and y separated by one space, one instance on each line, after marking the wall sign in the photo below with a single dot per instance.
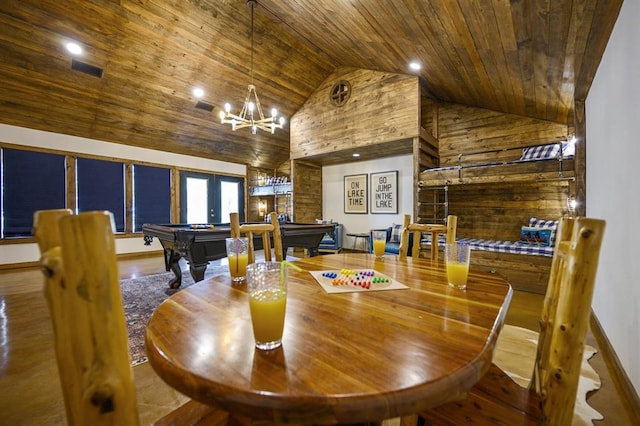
355 194
384 192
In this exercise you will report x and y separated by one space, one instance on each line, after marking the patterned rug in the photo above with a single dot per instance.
141 296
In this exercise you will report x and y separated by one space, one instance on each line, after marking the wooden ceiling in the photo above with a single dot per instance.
531 58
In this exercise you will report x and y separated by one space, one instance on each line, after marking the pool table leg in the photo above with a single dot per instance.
171 259
313 251
197 271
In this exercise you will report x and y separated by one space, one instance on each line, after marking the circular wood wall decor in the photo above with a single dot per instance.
340 93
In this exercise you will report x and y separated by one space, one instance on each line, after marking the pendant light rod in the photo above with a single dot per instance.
251 106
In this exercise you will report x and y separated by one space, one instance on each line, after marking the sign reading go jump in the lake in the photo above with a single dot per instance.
384 192
355 194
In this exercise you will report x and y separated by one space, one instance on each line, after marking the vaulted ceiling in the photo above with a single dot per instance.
530 58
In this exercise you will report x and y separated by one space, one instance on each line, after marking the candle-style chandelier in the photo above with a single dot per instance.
251 114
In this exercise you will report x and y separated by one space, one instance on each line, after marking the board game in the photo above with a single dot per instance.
349 280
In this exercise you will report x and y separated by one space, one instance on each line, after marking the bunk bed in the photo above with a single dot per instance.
526 261
537 162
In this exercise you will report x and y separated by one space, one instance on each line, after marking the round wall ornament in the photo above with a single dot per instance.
340 93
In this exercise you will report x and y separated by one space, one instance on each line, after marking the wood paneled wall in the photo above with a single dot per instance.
382 108
253 202
497 211
465 130
307 191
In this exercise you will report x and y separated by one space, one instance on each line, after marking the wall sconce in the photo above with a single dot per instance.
262 207
571 204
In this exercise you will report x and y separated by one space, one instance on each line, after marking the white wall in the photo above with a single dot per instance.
19 253
333 190
613 156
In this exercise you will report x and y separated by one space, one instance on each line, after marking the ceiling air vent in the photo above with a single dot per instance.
205 106
86 68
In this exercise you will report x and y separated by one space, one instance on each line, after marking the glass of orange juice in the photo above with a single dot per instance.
267 288
457 258
379 242
238 257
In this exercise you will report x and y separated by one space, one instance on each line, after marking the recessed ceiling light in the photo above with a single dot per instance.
355 154
73 48
198 92
415 66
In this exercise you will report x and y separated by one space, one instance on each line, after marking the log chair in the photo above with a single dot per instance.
82 288
418 229
550 398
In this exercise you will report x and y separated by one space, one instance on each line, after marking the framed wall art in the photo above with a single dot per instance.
355 194
384 192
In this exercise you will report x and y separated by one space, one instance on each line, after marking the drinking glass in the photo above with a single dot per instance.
457 258
379 242
238 256
267 288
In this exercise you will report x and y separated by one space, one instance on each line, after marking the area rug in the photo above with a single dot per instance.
515 355
141 296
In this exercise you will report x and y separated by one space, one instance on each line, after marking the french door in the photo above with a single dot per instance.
208 198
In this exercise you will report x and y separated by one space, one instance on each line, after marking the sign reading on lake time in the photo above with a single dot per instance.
355 194
384 192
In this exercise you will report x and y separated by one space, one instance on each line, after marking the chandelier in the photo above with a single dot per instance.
251 113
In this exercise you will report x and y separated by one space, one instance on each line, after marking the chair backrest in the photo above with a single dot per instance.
264 229
83 291
565 317
418 228
45 227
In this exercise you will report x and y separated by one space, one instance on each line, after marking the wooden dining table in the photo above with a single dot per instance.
357 356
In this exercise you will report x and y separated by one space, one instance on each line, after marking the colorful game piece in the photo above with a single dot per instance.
365 279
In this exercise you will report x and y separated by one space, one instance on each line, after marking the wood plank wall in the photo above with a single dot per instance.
307 190
498 210
253 202
383 107
466 130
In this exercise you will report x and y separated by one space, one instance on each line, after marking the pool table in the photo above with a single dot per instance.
201 243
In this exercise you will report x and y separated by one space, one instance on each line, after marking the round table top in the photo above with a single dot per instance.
346 357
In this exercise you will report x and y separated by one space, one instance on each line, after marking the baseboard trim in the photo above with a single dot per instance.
22 265
36 265
627 392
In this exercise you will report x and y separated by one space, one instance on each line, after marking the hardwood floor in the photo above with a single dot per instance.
29 385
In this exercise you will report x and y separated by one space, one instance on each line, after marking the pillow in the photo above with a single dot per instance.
568 149
323 222
540 237
542 152
396 233
545 224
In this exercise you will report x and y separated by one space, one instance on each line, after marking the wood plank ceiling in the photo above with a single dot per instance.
531 58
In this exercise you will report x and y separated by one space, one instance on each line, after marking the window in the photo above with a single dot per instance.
151 196
31 181
101 187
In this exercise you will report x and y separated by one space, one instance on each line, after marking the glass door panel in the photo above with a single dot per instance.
197 200
208 198
229 199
